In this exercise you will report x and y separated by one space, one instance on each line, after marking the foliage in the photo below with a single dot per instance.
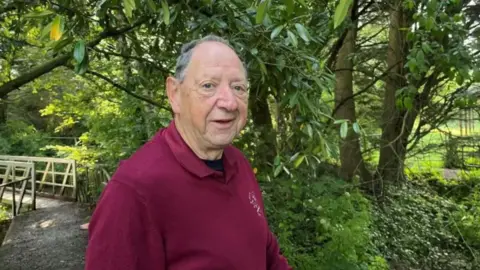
4 215
322 224
452 159
96 73
20 138
419 229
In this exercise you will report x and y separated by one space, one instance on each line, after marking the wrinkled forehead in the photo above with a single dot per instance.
216 59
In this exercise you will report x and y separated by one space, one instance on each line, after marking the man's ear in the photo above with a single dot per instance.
173 93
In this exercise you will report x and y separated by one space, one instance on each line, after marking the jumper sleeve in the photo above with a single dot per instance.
275 261
121 232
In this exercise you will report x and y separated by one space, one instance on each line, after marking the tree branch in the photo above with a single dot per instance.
140 59
342 102
124 89
60 60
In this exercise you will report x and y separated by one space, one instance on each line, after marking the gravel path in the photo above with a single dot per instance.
46 239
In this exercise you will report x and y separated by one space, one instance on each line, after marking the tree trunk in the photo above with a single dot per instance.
352 162
262 120
396 124
3 111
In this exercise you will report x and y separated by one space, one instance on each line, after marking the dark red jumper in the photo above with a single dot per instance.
164 208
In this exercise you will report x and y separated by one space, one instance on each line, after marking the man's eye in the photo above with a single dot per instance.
238 88
208 85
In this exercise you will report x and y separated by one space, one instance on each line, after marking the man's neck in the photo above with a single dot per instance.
202 153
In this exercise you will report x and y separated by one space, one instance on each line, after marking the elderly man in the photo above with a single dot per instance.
188 199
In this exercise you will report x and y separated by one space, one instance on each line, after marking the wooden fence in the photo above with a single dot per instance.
17 173
55 177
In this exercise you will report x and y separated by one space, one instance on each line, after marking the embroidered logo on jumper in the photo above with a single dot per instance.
253 201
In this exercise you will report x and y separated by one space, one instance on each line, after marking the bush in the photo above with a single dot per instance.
321 223
418 229
20 138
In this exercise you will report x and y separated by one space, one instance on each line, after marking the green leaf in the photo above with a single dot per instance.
81 68
459 79
431 7
166 12
263 68
356 128
302 32
62 43
276 161
303 3
276 31
410 4
129 6
420 58
293 38
298 161
412 65
476 75
344 130
399 103
309 130
38 14
281 63
261 11
46 31
79 51
277 171
408 103
290 6
427 47
152 5
341 12
429 23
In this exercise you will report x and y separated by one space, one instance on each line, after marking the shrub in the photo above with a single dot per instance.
415 229
321 223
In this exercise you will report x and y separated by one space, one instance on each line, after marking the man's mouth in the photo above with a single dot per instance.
223 121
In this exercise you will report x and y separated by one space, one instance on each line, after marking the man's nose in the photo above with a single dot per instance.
227 99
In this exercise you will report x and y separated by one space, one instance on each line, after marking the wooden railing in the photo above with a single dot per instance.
15 173
91 182
55 177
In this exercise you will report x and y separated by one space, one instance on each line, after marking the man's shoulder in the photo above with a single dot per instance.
148 163
238 155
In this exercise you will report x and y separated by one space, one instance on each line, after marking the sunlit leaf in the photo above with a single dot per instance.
356 127
344 130
166 12
261 11
56 29
298 161
293 38
39 14
276 31
302 32
341 12
129 6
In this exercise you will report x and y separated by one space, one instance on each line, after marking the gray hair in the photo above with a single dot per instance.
187 50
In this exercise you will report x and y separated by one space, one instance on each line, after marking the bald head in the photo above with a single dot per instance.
187 51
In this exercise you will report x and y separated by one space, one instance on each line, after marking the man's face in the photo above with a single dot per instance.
211 103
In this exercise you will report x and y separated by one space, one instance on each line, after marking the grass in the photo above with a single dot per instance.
433 150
